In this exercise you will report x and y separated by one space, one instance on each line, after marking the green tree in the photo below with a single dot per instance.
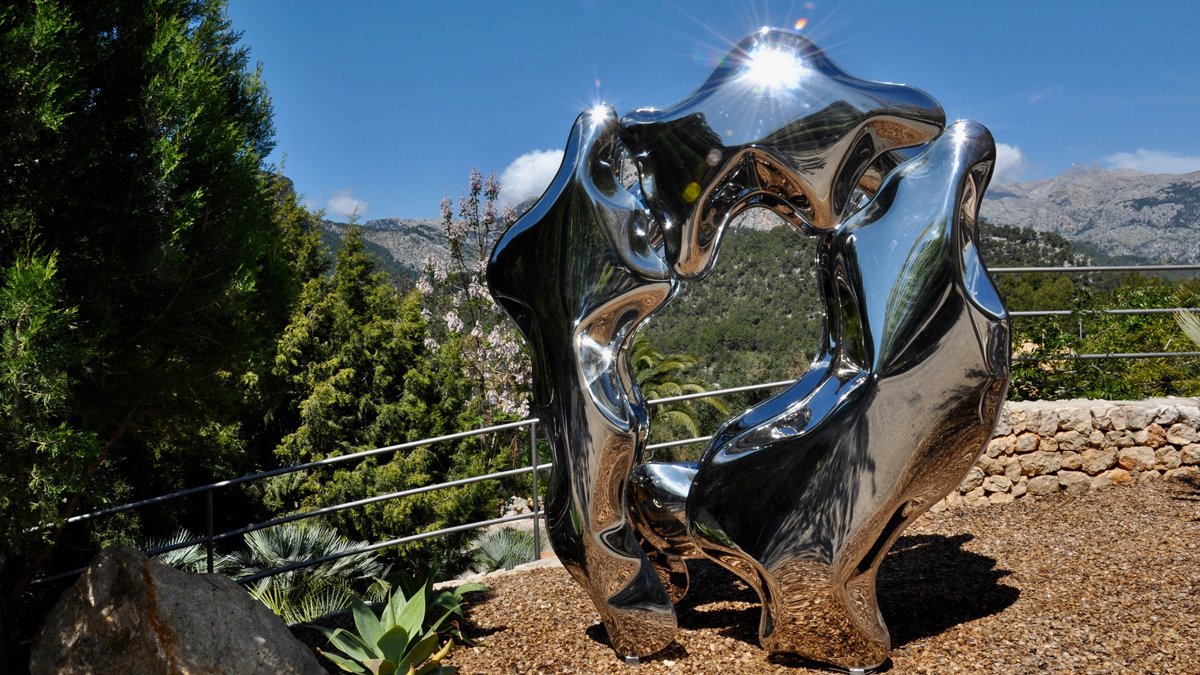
132 137
360 376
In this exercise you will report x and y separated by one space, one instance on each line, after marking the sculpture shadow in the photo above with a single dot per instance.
1185 489
928 584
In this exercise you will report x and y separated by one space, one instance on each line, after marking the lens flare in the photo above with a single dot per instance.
801 23
809 6
774 68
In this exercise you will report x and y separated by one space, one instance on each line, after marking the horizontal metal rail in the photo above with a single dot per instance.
384 544
686 441
1090 357
1095 268
1119 312
301 467
389 448
379 498
720 392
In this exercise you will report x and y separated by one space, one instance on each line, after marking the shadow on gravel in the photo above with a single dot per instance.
1186 489
928 584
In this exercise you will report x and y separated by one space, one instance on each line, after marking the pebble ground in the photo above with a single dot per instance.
1103 582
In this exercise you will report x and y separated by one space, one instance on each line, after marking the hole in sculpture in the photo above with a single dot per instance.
756 318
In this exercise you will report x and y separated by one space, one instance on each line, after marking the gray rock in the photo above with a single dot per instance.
1166 458
1167 415
1040 463
1043 485
990 466
1096 461
975 498
973 480
1116 417
1000 498
1071 441
1190 454
1098 439
1074 482
1121 439
1072 461
996 447
1101 481
1137 458
1075 419
997 484
1138 416
1152 436
1102 417
1181 472
1027 443
1147 476
1047 423
1012 468
1019 419
1020 487
1190 415
129 615
1004 426
1182 434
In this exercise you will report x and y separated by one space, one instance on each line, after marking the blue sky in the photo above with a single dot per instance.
389 104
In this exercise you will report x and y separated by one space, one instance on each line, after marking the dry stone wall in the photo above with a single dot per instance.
1042 447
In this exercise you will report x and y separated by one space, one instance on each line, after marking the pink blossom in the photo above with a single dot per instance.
492 186
447 206
510 214
454 323
476 180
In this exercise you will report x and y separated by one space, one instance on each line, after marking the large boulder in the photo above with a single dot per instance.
129 615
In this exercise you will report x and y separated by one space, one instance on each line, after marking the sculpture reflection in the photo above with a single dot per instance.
802 495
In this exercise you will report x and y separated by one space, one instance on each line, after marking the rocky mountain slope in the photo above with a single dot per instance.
1118 212
1113 215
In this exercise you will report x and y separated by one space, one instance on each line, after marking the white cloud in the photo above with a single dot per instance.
343 203
1153 161
1010 164
529 175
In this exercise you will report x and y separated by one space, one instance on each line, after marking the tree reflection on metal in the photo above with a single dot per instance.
802 495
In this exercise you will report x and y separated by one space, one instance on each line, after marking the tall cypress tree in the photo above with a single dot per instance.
132 138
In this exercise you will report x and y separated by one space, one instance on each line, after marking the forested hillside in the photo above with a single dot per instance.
758 316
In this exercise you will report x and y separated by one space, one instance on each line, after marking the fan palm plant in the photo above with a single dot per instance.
193 558
1188 295
506 548
308 592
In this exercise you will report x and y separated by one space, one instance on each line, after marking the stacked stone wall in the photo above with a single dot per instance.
1042 447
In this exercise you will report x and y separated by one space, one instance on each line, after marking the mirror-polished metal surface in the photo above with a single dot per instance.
778 125
804 494
577 274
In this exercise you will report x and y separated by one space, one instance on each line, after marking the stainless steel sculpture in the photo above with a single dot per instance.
803 495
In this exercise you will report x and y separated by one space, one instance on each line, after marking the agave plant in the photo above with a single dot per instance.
403 639
506 548
309 592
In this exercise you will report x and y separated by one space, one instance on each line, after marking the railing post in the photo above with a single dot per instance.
533 459
209 543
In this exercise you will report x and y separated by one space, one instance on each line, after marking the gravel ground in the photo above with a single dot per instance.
1104 582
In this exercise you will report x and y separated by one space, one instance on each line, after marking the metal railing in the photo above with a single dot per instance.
211 538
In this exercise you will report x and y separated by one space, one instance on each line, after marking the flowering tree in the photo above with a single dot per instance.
461 313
